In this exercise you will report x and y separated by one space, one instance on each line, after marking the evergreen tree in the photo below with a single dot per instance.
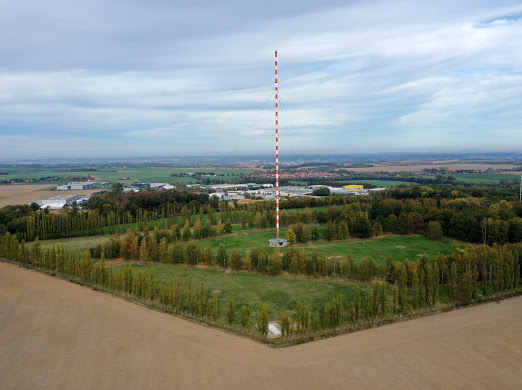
186 234
377 229
382 301
395 299
285 325
262 260
322 265
353 314
434 231
151 291
254 256
275 265
245 317
516 280
339 310
314 234
290 237
305 234
235 260
375 302
453 283
262 321
231 314
327 316
466 288
306 318
415 291
298 316
202 298
215 307
222 256
144 250
402 292
163 251
316 322
368 312
429 285
357 304
294 265
209 308
435 280
209 255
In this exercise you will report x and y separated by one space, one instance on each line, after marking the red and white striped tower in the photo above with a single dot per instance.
277 149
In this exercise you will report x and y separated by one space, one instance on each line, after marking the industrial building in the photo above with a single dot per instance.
60 201
79 185
229 186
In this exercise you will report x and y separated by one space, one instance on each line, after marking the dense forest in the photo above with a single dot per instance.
474 215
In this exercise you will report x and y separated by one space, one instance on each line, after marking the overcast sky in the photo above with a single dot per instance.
164 78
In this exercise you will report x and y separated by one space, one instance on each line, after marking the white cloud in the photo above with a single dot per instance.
364 72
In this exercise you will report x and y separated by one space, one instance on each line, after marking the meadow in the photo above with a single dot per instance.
147 175
478 178
279 293
379 248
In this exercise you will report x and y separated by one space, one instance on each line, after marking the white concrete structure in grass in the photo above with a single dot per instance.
274 329
277 242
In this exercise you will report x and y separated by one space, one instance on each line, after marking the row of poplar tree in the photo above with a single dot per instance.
496 267
176 297
474 216
405 288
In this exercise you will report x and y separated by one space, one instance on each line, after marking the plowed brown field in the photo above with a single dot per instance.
27 193
57 335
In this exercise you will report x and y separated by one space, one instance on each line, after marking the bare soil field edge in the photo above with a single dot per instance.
57 335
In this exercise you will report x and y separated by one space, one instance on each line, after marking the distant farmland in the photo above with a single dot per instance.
485 177
133 174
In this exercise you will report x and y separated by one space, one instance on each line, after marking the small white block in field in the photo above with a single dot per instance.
274 329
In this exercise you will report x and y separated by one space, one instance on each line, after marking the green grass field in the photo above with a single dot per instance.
279 293
482 178
134 174
379 248
485 177
78 243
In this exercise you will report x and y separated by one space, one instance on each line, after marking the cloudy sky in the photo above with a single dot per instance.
167 78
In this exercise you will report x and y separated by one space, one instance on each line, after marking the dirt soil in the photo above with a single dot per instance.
25 194
57 335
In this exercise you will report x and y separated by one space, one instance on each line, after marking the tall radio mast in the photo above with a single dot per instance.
277 148
277 241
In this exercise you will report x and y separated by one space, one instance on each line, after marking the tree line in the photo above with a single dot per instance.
396 289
